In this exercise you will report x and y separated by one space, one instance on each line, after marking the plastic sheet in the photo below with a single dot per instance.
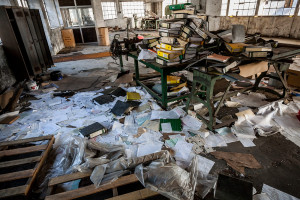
98 174
169 180
146 54
122 163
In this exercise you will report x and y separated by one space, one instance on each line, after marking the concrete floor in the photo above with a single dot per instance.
279 157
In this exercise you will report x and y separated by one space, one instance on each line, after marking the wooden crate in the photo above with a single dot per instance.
20 162
91 189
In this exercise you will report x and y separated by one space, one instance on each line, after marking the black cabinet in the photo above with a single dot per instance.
24 41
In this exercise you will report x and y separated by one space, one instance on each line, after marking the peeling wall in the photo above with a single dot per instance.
57 42
7 78
275 26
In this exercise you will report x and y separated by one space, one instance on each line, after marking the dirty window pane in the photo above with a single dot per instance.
109 10
277 7
70 18
242 7
134 7
87 16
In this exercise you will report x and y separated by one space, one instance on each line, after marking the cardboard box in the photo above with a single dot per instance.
68 37
103 36
293 78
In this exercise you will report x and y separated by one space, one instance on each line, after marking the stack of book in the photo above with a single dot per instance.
169 51
258 51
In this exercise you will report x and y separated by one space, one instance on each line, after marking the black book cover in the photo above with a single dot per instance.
86 131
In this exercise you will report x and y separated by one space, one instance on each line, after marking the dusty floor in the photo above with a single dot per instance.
279 157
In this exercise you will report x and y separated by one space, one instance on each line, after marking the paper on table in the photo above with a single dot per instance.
253 68
275 194
246 142
204 165
163 115
166 127
192 122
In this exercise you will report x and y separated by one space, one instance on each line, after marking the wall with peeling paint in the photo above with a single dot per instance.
279 26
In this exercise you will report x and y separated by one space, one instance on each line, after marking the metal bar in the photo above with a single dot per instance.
136 66
121 63
152 93
164 90
222 99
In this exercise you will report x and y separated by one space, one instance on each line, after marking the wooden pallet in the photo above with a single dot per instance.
20 161
91 189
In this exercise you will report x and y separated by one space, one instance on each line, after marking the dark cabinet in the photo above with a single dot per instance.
24 41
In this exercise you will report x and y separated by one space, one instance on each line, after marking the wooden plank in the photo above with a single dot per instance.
12 191
115 191
67 178
139 194
81 57
20 161
40 164
35 139
16 175
91 189
22 150
9 119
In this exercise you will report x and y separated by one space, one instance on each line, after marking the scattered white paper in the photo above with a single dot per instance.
192 122
163 115
246 142
204 165
140 119
145 149
262 196
275 194
179 111
166 127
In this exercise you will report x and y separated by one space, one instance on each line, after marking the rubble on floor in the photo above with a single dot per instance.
165 146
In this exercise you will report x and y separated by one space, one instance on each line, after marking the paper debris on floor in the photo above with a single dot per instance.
251 100
191 122
238 161
204 165
275 194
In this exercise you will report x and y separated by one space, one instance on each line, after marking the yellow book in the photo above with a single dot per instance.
170 47
173 79
235 47
133 96
169 55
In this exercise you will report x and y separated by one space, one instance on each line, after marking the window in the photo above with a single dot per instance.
23 3
242 7
278 7
164 4
133 7
109 10
224 7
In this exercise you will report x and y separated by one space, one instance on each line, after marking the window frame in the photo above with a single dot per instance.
113 12
126 8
